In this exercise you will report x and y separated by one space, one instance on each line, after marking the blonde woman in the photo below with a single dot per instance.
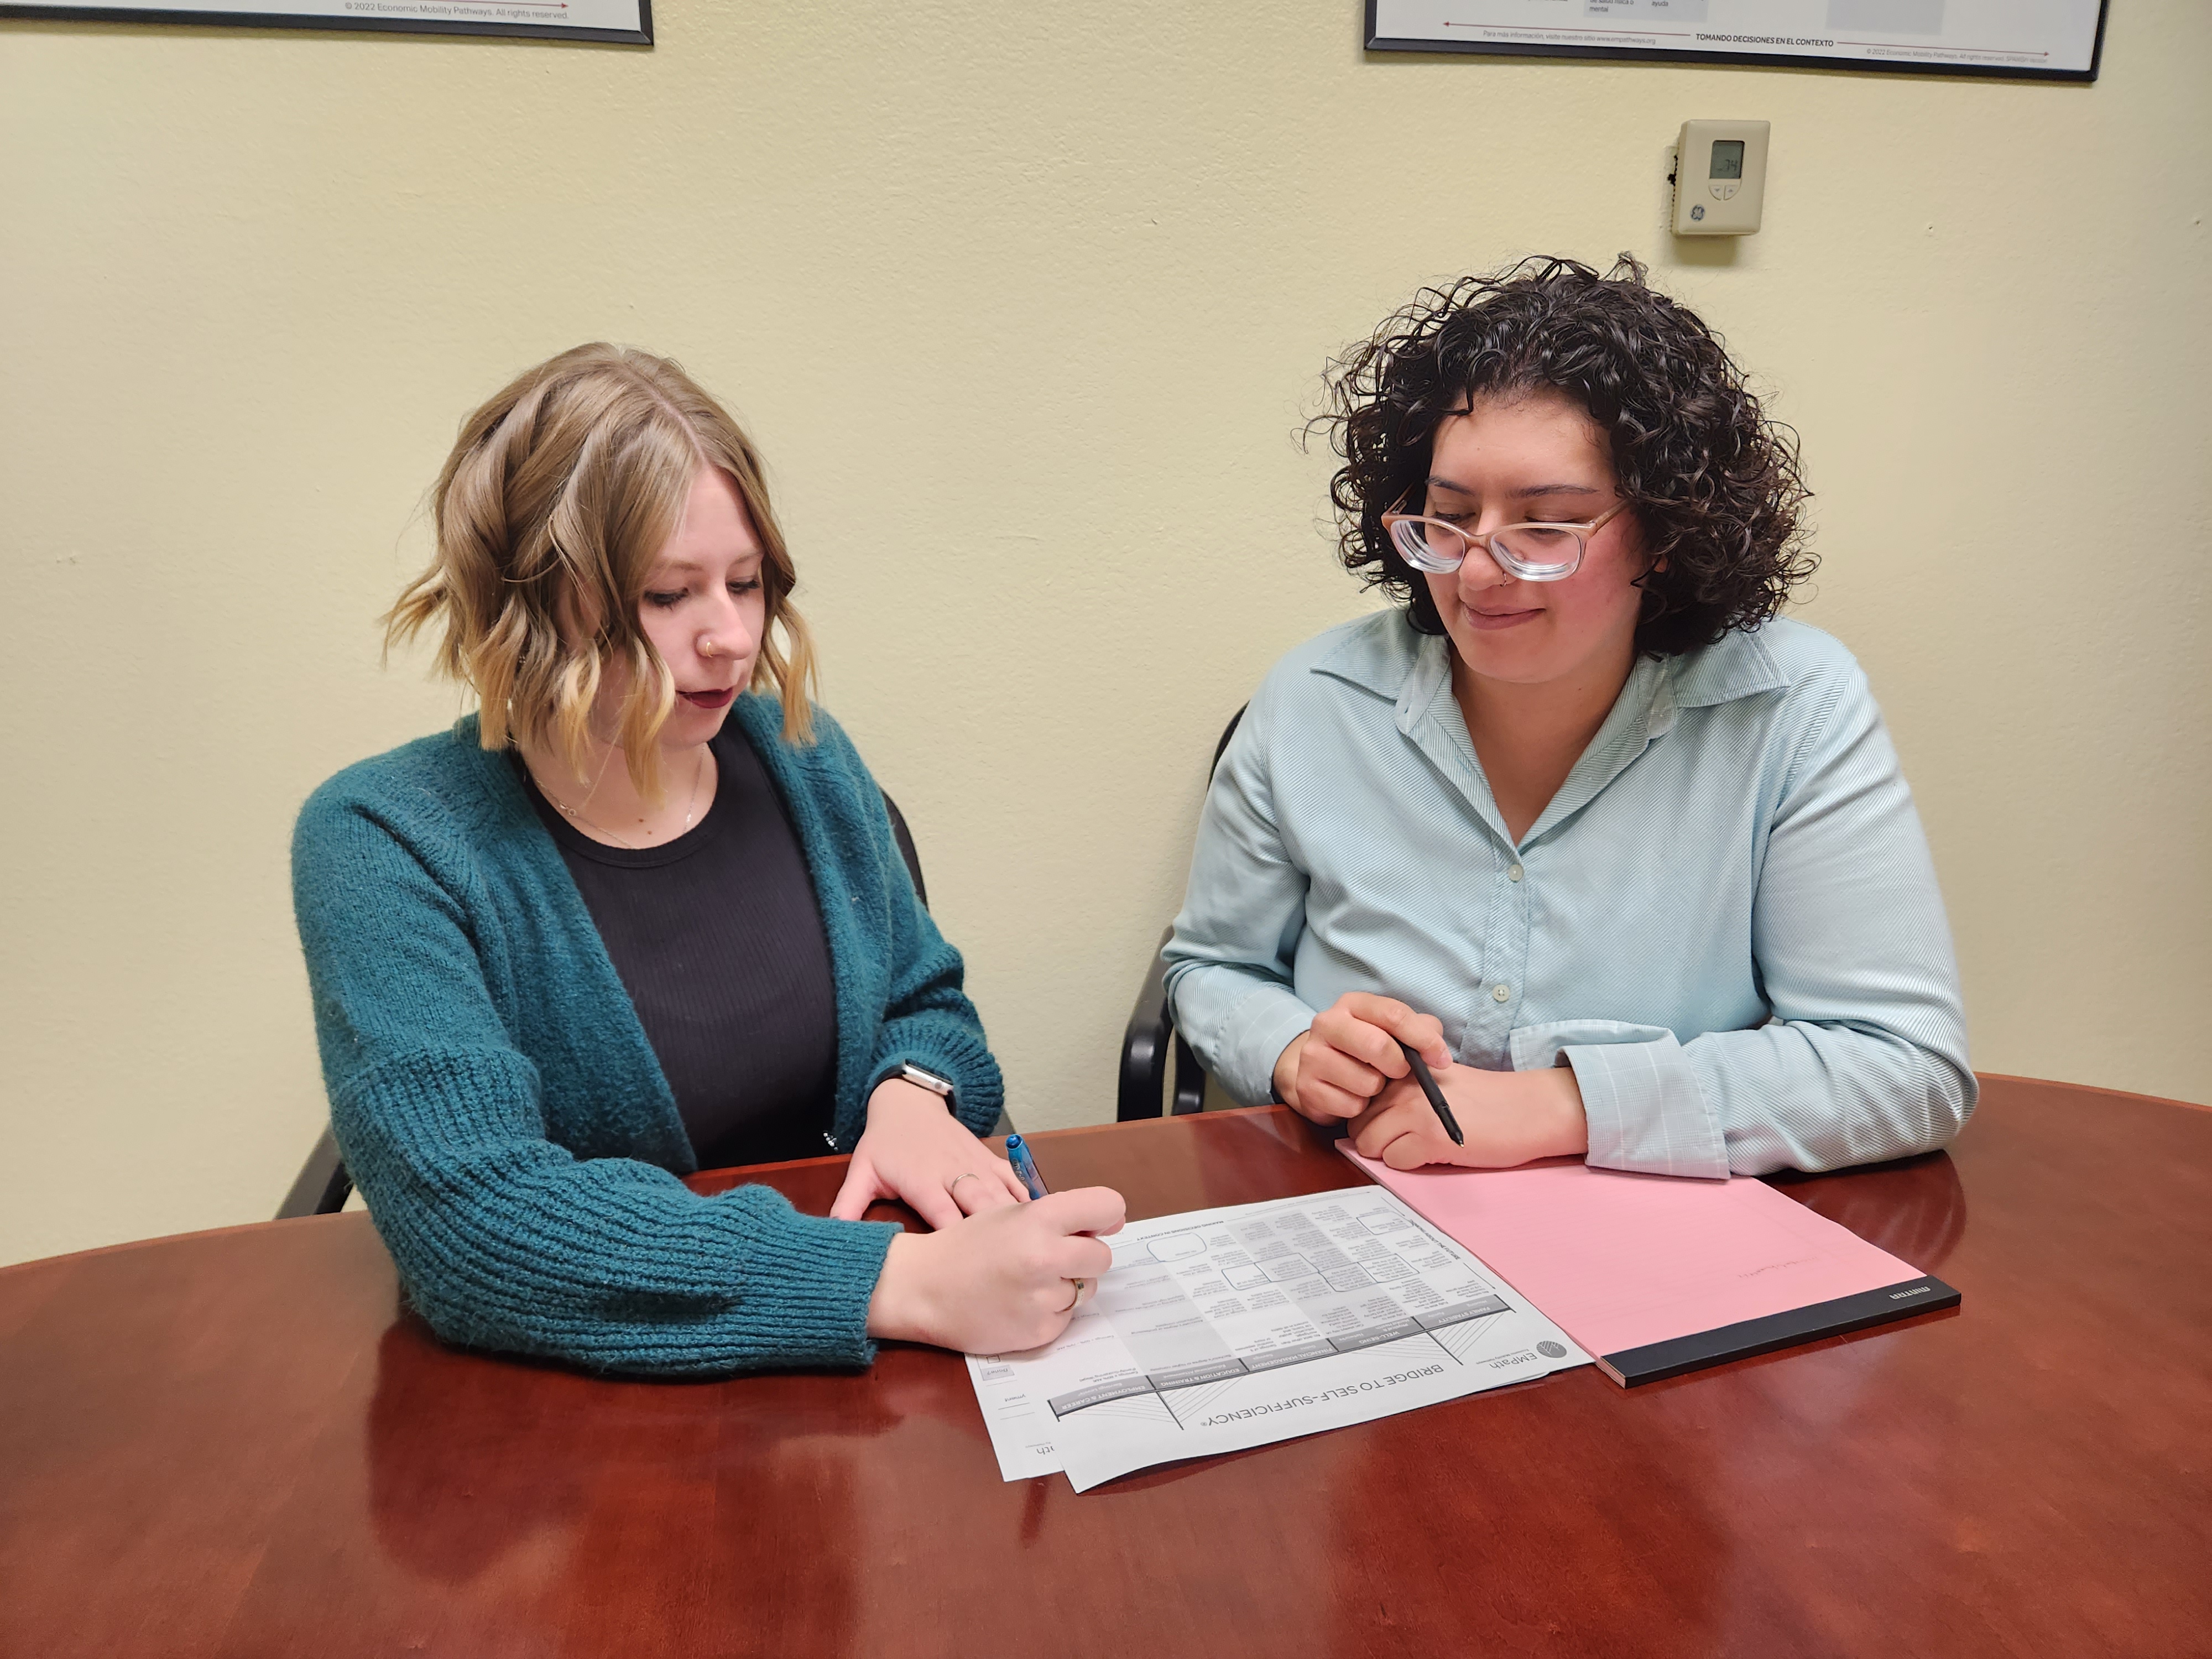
642 914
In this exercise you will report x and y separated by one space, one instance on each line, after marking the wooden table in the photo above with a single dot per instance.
231 1442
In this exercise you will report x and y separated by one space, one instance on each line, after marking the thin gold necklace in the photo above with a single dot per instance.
691 810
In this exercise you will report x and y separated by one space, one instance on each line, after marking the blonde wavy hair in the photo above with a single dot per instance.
559 495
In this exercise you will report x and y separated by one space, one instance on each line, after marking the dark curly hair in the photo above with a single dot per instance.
1713 482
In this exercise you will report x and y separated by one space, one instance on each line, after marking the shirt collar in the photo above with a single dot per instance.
1414 671
1736 665
1393 661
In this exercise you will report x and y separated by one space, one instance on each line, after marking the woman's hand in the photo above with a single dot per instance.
1350 1055
1508 1118
999 1282
916 1151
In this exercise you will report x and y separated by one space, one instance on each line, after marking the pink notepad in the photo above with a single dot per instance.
1657 1275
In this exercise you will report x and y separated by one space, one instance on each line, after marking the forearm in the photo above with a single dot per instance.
1800 1095
508 1243
1237 1020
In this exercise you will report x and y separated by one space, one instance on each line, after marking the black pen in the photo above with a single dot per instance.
1435 1096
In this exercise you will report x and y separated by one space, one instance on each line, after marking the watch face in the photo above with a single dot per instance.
928 1080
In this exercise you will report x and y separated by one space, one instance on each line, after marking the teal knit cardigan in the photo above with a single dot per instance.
502 1110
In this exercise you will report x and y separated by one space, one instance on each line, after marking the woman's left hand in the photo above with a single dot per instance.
916 1151
1508 1118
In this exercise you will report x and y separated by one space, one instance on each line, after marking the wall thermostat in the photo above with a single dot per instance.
1720 178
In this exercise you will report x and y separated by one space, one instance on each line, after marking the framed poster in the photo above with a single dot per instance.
2025 39
628 22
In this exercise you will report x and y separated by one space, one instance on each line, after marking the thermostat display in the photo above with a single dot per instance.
1720 178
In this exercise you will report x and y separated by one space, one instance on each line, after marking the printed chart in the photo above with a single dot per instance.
1219 1329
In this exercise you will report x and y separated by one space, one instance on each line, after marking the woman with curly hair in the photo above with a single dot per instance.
1627 859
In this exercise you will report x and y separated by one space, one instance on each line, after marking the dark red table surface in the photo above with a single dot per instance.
235 1442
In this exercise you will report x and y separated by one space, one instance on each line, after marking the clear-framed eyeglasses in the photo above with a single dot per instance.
1531 552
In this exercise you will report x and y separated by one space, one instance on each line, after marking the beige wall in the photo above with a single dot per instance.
1024 303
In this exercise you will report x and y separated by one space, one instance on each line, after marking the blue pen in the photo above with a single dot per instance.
1018 1154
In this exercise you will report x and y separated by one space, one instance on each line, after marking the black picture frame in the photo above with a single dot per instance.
640 36
1754 59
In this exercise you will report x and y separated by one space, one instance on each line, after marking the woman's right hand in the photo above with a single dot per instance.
1001 1280
1334 1070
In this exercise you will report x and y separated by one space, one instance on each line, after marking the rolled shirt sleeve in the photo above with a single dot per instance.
1231 958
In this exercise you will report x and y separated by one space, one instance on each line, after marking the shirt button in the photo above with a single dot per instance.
1501 993
1513 873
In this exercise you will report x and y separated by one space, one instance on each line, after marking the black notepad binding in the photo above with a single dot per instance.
1678 1354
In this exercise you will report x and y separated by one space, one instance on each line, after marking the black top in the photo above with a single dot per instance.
719 940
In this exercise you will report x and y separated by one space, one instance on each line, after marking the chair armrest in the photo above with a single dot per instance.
323 1185
1190 1081
1147 1045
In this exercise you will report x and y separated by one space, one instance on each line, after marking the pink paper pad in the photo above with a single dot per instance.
1621 1261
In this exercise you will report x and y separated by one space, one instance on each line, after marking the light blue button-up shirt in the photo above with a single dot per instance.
1725 920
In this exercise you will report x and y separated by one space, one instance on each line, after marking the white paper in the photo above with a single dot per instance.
1220 1329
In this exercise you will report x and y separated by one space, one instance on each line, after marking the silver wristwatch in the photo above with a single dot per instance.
922 1078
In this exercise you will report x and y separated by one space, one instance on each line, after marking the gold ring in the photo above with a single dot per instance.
1077 1297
